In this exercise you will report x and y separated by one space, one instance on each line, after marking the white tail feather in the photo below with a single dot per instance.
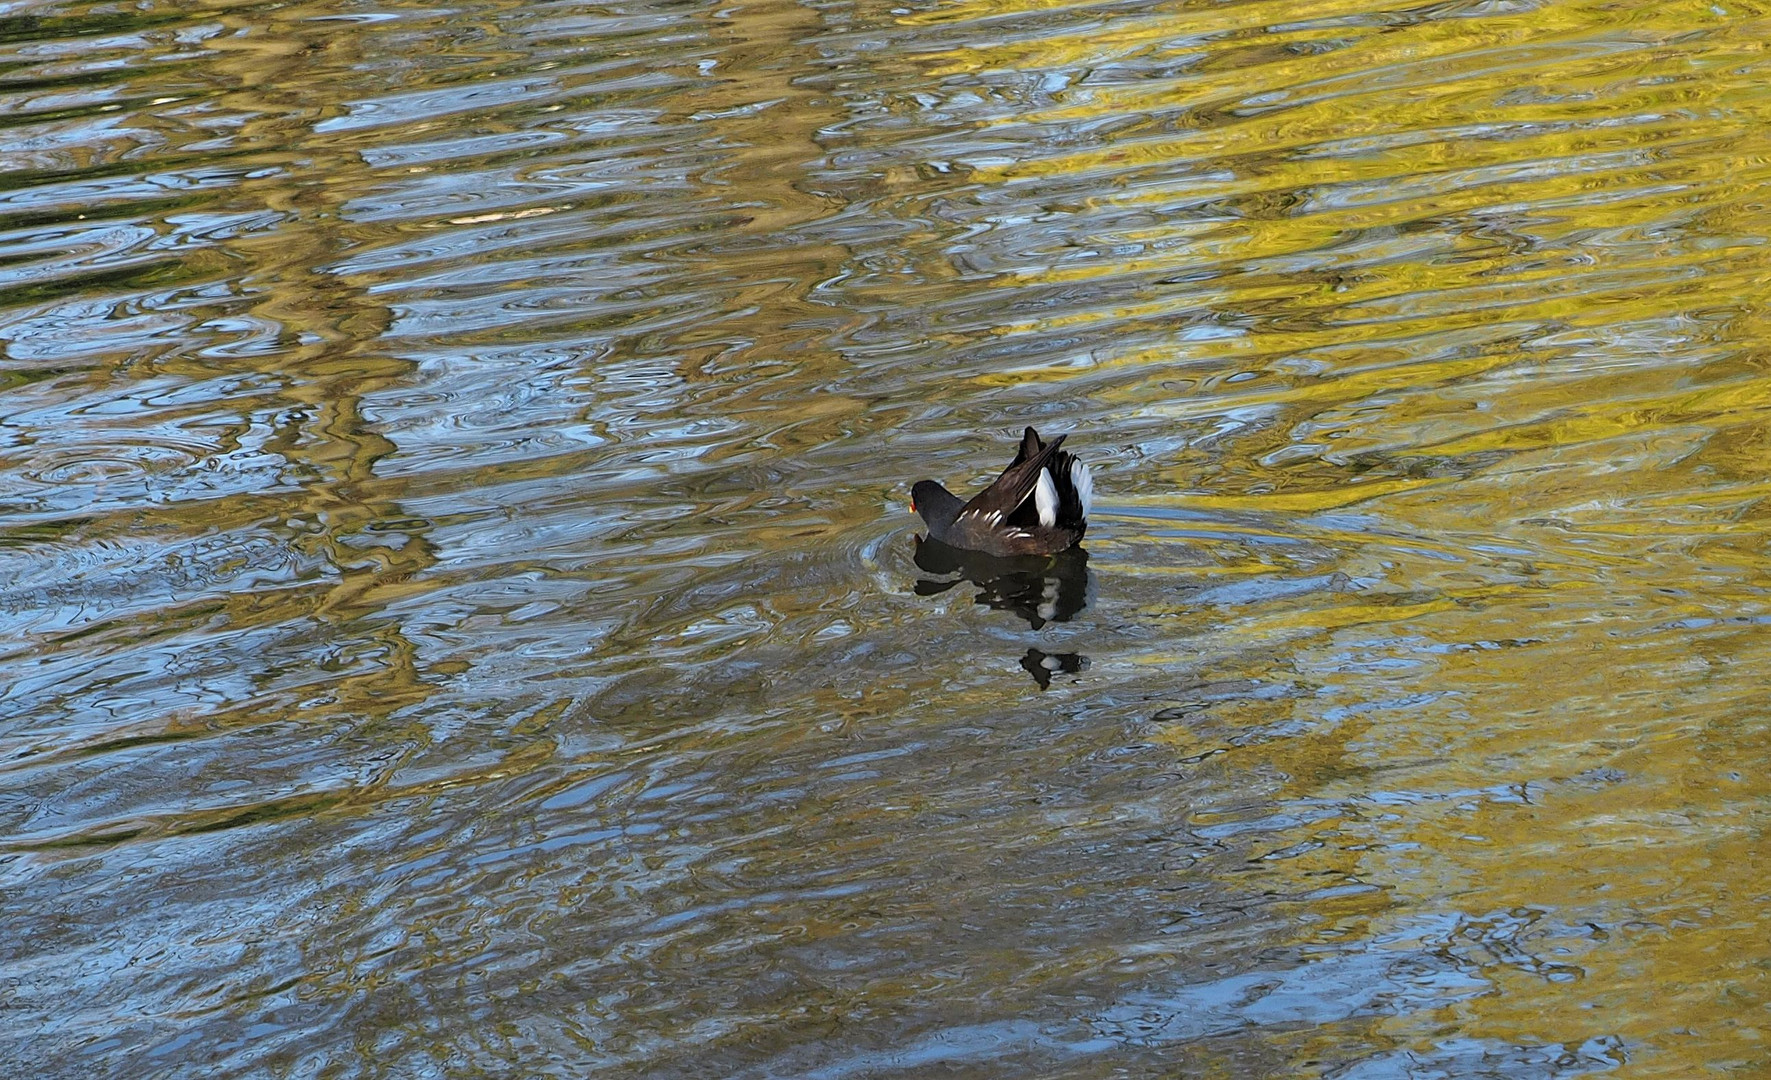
1084 483
1045 498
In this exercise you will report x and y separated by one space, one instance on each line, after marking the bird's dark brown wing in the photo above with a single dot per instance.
992 506
1030 446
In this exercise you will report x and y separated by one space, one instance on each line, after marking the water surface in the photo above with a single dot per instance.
461 608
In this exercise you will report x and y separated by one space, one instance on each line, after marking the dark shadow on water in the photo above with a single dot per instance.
1039 588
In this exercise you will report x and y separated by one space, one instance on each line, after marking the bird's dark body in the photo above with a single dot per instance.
1038 506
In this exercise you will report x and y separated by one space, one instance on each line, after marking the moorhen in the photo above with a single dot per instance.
1038 506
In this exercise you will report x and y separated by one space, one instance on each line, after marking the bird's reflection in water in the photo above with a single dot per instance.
1041 589
1038 588
1043 665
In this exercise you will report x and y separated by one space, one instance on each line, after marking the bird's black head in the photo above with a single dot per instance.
936 504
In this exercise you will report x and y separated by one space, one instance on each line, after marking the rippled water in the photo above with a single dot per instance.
460 601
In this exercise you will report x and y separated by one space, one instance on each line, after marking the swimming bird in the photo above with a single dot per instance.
1039 505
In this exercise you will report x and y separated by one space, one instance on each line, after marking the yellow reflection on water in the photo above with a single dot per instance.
1511 269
